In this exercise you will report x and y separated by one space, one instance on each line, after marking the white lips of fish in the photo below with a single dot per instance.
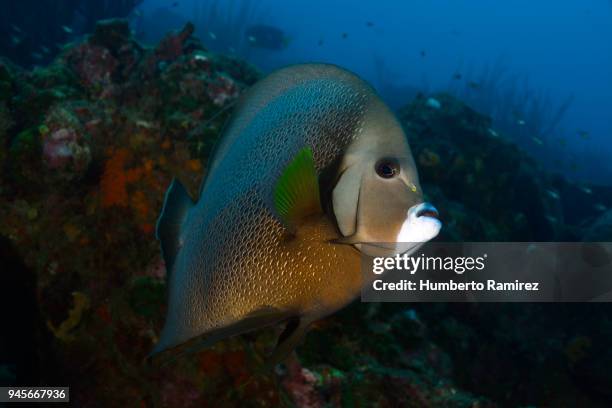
419 227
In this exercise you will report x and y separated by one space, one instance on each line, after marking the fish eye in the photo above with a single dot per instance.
387 168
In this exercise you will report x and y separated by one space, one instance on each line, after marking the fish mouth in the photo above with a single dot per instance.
427 210
422 224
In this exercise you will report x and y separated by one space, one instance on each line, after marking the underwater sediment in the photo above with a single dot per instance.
89 145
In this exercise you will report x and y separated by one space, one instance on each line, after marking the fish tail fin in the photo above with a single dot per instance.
176 206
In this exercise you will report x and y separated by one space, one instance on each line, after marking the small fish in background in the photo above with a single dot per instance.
520 122
492 132
15 40
473 85
212 35
45 50
286 209
16 28
537 140
344 36
586 190
175 4
551 219
600 207
457 76
369 24
320 42
423 53
268 37
583 134
433 103
553 194
67 29
144 124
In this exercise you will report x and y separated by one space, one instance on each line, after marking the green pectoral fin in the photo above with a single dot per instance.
296 194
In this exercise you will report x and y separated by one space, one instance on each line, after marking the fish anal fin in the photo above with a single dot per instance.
168 230
264 316
296 193
261 317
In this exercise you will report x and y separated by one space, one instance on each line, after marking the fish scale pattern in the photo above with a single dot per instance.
232 262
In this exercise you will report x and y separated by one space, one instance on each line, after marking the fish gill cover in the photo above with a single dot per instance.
89 144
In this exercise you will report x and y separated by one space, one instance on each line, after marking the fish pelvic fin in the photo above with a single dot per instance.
290 338
296 193
168 230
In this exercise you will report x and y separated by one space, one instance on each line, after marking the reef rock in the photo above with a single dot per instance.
601 229
485 187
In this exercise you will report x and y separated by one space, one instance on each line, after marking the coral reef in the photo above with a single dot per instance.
485 185
472 175
33 31
601 229
89 145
